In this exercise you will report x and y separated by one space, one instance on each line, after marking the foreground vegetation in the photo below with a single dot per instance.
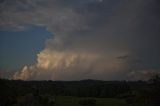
74 101
80 93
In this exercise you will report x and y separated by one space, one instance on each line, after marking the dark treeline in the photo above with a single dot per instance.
139 92
84 88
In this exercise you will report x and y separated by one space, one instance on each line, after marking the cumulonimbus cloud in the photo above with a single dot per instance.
88 36
60 65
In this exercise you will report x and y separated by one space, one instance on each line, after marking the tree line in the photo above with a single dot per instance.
134 92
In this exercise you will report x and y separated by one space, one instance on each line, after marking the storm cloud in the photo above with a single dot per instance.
97 39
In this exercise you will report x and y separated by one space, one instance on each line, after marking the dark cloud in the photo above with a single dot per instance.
1 1
123 57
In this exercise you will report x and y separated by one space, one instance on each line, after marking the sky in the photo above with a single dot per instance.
79 39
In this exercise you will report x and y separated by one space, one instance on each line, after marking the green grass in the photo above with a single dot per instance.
73 101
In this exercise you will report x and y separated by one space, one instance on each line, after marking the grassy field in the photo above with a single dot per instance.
74 101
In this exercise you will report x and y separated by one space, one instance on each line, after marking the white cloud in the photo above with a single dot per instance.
60 65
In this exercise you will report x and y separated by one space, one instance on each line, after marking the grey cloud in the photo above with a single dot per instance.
142 74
